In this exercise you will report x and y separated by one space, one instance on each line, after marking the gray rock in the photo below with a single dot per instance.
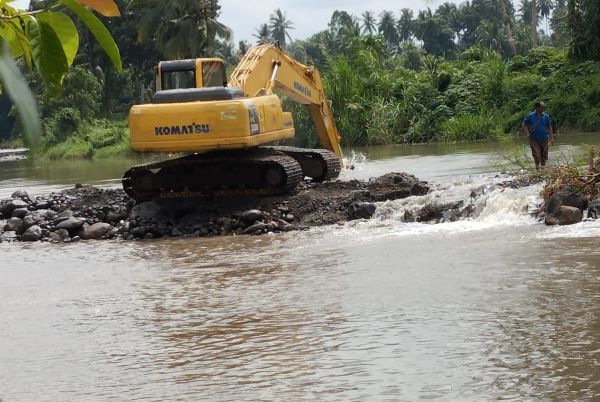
20 213
567 199
253 215
22 195
71 224
256 229
145 210
565 216
362 210
97 231
32 234
42 204
13 225
7 206
63 216
594 209
59 236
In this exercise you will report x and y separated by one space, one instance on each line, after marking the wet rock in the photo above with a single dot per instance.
253 215
8 206
594 209
564 216
32 234
59 236
42 204
13 225
98 231
255 229
63 216
22 195
568 199
394 186
434 213
145 210
363 210
20 213
71 224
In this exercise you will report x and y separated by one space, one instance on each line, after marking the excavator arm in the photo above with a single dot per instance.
267 67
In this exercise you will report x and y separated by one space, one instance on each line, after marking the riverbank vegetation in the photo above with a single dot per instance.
456 73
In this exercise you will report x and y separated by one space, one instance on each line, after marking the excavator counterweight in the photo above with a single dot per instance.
226 128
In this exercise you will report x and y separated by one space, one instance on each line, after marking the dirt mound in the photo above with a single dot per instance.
92 212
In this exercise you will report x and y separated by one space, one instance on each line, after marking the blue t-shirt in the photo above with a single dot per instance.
539 127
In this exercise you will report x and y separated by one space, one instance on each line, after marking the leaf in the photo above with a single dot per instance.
108 8
97 29
65 30
21 42
48 54
14 84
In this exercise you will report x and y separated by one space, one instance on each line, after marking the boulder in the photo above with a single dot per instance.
32 234
71 224
594 209
564 216
42 204
63 216
98 231
573 199
22 195
362 210
59 236
145 210
256 229
13 225
253 215
7 206
20 213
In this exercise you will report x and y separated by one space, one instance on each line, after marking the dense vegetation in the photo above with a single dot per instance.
461 72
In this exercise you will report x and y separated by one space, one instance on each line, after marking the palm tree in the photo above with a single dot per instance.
545 9
534 22
369 24
387 28
263 34
279 27
525 11
406 24
489 35
182 28
506 21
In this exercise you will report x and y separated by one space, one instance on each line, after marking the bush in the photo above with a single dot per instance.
471 127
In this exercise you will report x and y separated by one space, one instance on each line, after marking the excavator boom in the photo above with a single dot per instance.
267 67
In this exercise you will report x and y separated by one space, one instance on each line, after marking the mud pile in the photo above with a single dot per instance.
92 213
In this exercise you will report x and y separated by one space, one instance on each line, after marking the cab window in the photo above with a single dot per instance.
213 74
178 79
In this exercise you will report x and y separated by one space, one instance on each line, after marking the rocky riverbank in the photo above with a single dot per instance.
92 213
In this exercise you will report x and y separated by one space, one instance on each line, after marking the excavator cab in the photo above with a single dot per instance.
188 74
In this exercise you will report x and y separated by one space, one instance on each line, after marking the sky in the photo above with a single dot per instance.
309 16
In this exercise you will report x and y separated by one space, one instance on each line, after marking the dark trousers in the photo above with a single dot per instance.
539 150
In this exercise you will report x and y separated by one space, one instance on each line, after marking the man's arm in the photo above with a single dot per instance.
525 128
551 133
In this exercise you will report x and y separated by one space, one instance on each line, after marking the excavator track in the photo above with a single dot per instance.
259 172
318 164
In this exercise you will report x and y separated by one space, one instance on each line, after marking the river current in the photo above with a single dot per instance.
494 307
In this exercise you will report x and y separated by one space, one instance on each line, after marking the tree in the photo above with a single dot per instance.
534 23
369 23
279 27
181 28
584 26
263 34
506 22
545 9
48 41
406 26
389 31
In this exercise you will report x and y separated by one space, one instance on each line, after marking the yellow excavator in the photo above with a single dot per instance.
224 128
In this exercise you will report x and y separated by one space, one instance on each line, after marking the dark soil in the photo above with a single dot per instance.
94 213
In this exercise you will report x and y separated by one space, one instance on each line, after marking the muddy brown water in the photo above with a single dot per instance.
497 307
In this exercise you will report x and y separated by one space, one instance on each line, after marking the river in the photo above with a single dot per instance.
495 307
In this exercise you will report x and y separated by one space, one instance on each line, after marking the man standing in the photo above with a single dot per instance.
538 127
